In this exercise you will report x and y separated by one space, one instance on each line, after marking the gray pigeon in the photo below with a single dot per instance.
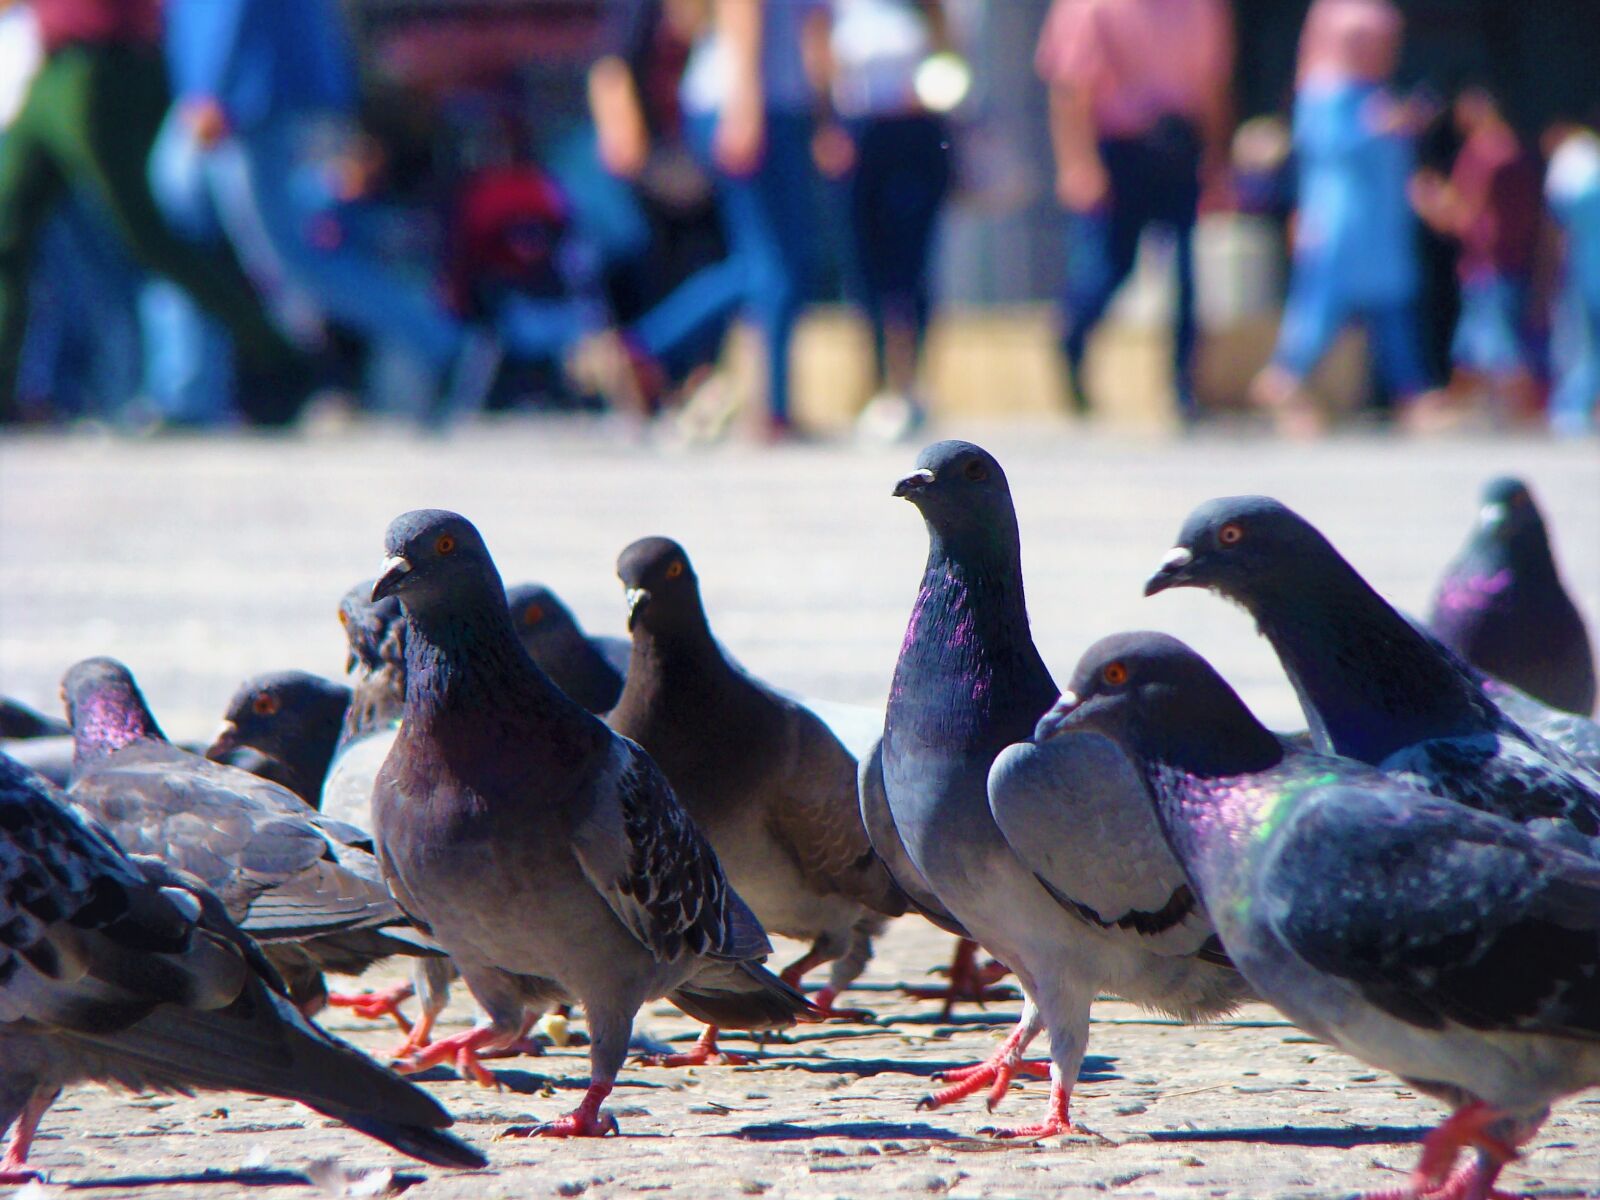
761 776
969 684
283 726
1501 605
503 798
376 663
1373 686
1441 943
131 973
306 886
589 669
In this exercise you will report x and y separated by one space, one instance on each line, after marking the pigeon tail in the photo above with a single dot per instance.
743 995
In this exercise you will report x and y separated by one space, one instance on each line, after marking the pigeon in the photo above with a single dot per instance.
375 635
306 886
131 973
283 727
761 776
1501 605
939 806
546 854
589 669
1447 945
17 720
1373 686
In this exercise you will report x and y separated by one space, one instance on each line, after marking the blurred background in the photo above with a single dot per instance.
775 219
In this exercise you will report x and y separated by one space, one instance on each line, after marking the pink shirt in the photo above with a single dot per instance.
62 22
1140 59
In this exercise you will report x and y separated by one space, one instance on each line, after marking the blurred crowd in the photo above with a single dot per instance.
219 212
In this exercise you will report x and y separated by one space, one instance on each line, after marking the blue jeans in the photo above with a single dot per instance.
770 220
333 269
1155 180
1488 335
1575 398
1315 313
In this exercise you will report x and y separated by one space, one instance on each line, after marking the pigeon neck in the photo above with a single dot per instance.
1212 737
468 661
1369 683
106 722
680 662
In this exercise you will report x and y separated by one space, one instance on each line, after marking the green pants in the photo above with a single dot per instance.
88 122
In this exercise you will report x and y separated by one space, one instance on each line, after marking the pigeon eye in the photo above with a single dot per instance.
976 471
1115 674
344 619
674 570
532 615
445 545
265 704
1230 534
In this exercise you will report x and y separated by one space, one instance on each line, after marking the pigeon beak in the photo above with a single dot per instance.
637 599
224 740
1057 718
1490 516
914 482
1173 571
395 568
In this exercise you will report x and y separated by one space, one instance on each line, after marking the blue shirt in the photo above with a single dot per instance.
261 59
786 87
1355 220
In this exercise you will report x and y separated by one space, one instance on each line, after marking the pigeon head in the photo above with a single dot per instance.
1161 702
105 708
374 632
536 611
663 592
292 716
1509 523
962 494
1240 546
436 562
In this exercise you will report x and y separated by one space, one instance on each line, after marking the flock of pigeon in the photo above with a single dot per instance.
1415 879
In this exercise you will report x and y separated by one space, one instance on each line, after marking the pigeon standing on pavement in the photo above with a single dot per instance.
131 973
969 684
1373 686
761 776
1444 944
306 886
283 726
547 855
589 669
1501 605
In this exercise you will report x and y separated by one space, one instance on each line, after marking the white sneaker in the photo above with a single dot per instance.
890 417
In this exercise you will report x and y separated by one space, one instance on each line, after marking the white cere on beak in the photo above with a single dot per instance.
1178 556
1491 515
1068 700
395 564
922 473
635 597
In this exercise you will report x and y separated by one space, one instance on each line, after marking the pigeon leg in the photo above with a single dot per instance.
820 953
968 981
1057 1122
418 1037
522 1045
996 1071
374 1006
13 1167
461 1051
1433 1179
704 1054
587 1120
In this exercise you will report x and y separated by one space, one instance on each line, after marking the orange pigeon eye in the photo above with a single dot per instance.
265 704
344 619
532 615
1230 534
445 545
1115 674
976 471
674 570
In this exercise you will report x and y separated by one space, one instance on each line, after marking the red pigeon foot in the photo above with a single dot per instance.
968 981
374 1006
1058 1122
704 1054
997 1070
587 1120
418 1038
1433 1179
829 1011
460 1051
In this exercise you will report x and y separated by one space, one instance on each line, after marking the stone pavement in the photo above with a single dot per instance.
199 562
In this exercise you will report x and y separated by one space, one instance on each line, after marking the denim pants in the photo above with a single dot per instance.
1315 313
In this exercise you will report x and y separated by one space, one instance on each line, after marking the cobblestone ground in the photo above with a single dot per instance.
201 562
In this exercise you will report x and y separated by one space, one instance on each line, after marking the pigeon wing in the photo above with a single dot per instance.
885 838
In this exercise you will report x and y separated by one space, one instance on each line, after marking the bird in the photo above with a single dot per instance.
375 662
546 854
17 720
1501 604
306 886
761 776
1374 687
589 669
1444 944
283 726
129 972
944 790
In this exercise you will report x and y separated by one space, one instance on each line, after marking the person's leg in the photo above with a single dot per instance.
123 103
30 185
1101 248
1313 314
1575 399
1394 335
865 195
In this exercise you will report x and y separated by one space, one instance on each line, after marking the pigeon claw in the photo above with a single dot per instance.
1057 1123
460 1051
996 1073
418 1038
704 1054
968 981
829 1011
374 1006
587 1120
1467 1127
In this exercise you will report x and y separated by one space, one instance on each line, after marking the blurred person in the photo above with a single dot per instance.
1490 205
893 155
1355 253
274 81
1140 114
1572 188
87 122
749 102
